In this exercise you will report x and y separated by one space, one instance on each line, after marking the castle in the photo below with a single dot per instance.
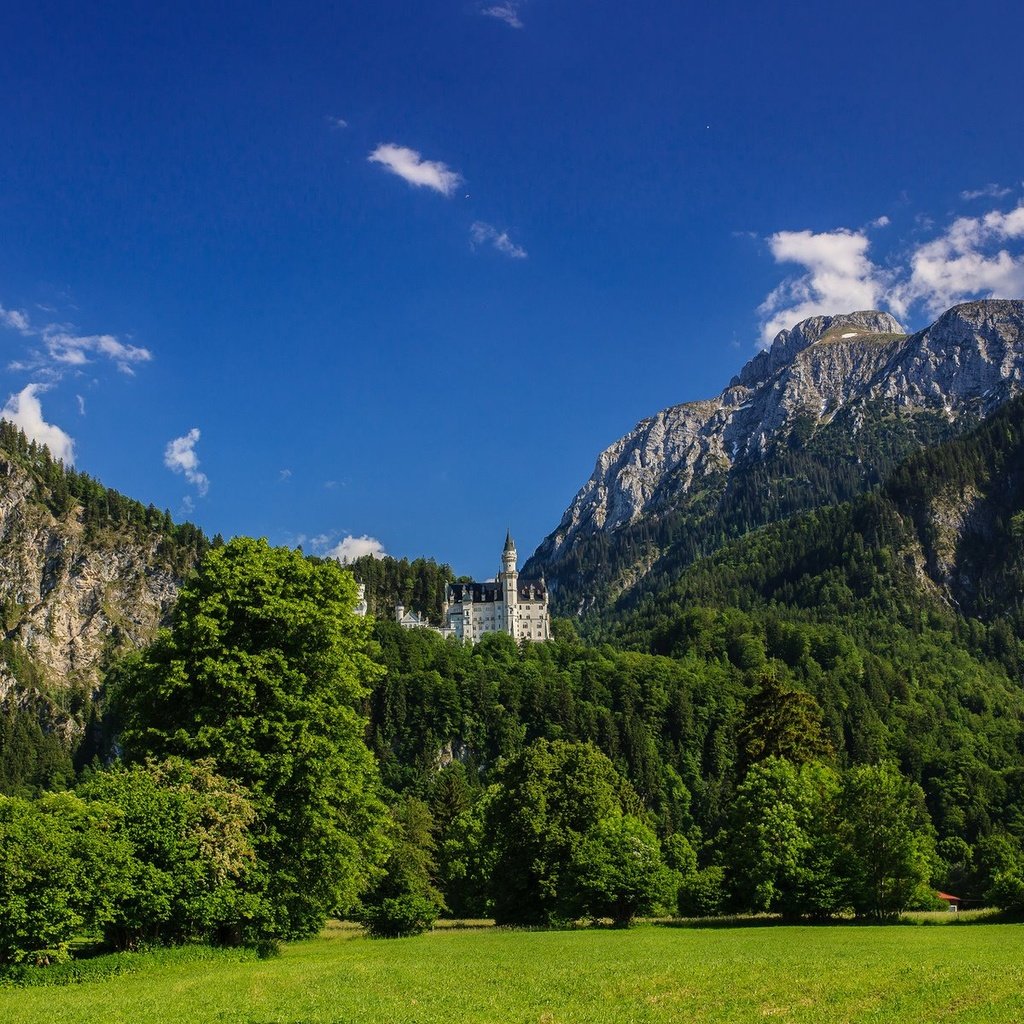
518 608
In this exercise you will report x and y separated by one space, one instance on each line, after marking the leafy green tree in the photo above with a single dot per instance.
265 670
781 853
63 868
404 900
704 893
191 872
547 799
888 840
465 862
618 871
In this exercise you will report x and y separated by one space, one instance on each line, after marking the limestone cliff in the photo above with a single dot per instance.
76 586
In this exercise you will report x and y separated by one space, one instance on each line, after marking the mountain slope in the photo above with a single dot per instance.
84 572
822 416
940 541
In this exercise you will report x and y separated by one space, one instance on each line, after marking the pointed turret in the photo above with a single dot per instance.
510 544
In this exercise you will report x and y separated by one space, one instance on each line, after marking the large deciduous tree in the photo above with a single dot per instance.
783 849
265 670
888 839
547 799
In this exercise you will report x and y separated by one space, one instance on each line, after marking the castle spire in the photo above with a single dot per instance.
510 544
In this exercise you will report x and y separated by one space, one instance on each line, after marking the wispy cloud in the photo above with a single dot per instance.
989 191
352 548
24 410
71 349
283 474
60 346
337 123
16 320
180 457
974 257
486 234
411 167
508 12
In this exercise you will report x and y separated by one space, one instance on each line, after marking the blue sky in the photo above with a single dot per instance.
399 271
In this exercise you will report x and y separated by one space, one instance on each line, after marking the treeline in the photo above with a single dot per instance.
103 510
32 760
419 585
683 727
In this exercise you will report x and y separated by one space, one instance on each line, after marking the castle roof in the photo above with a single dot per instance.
490 592
510 544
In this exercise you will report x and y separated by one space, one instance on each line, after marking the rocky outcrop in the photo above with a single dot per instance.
970 360
70 597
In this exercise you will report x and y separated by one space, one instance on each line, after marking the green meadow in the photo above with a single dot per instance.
651 973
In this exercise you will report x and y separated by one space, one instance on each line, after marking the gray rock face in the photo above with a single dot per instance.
69 601
970 359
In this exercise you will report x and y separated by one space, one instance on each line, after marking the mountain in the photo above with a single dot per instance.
823 415
939 545
84 574
897 617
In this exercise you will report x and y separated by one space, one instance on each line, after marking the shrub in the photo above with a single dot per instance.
395 917
703 894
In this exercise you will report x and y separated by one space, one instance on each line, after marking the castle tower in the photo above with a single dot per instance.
509 578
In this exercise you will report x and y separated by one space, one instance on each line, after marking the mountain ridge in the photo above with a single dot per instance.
828 378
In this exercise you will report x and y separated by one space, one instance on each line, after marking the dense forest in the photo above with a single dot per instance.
419 585
824 716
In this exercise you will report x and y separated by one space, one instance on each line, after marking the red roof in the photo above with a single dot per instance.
946 896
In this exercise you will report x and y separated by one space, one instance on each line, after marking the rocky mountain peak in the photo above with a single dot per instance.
808 332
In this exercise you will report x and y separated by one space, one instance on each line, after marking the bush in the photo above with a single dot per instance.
411 913
703 894
1007 891
62 869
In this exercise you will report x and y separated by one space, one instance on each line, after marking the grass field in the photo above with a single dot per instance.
819 974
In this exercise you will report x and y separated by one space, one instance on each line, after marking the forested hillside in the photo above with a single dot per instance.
84 574
419 585
884 629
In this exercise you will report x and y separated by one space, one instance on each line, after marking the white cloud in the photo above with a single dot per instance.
880 222
283 474
411 167
839 278
990 191
81 405
25 411
971 259
482 234
337 122
74 349
180 457
975 257
352 548
508 12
